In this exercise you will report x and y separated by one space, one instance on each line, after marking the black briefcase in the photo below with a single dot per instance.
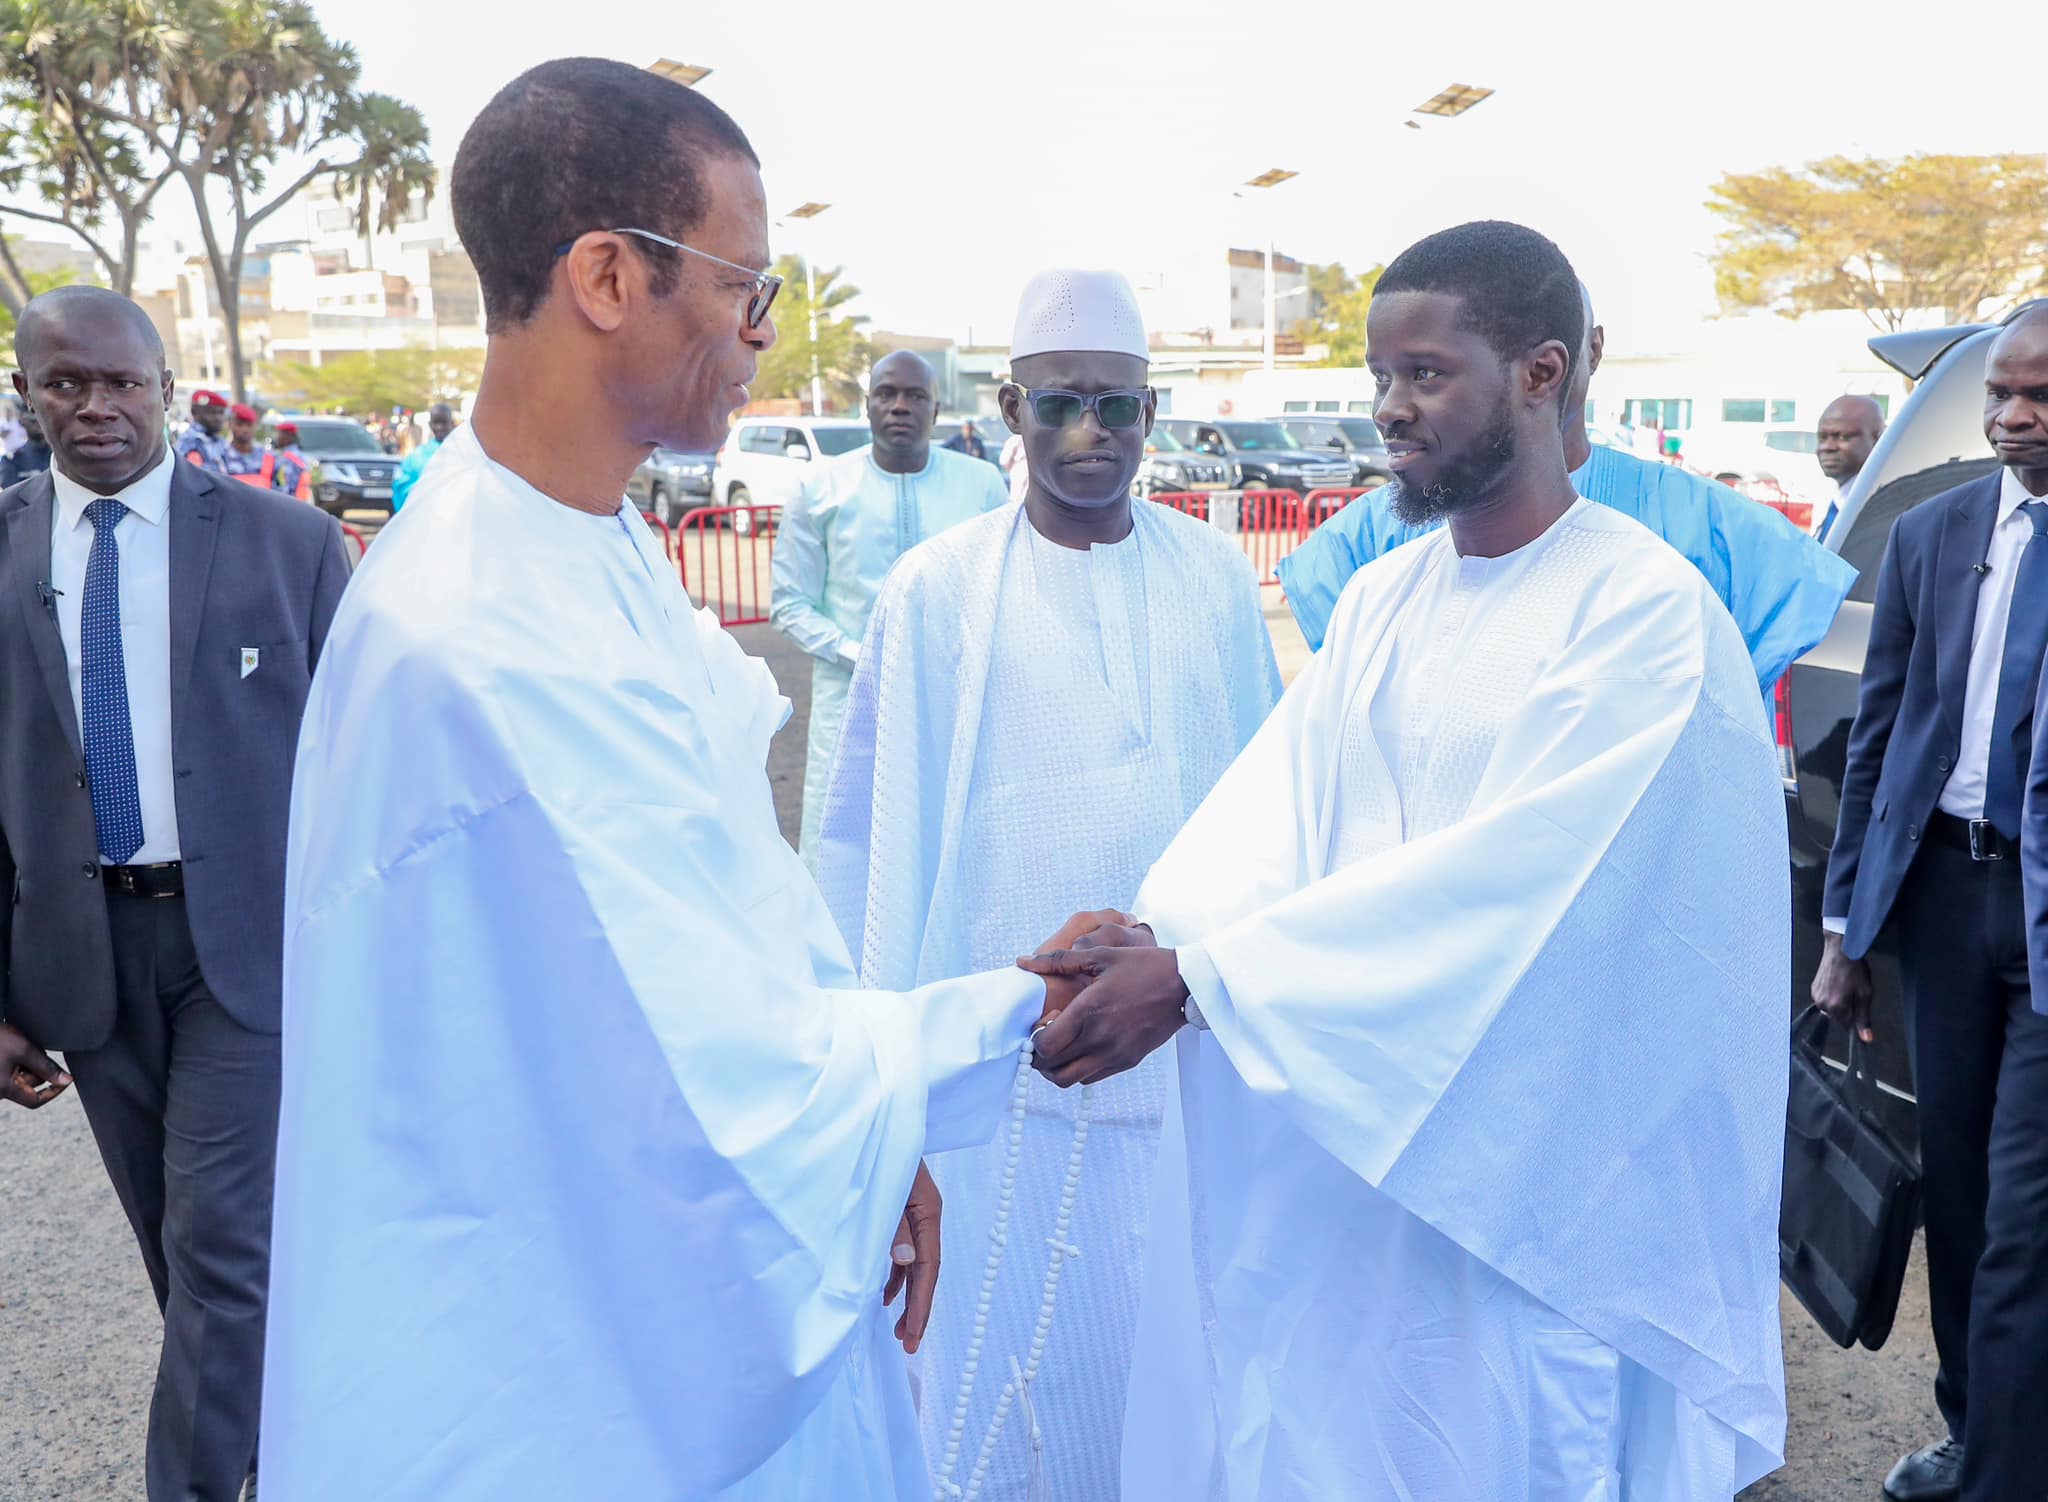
1852 1194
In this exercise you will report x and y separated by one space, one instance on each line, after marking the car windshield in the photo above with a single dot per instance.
1162 442
839 440
335 436
1363 432
1253 436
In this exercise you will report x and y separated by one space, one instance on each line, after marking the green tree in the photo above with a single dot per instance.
1965 235
1337 302
78 81
106 100
28 283
843 349
413 376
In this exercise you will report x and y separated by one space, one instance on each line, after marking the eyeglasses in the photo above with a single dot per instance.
1115 410
766 283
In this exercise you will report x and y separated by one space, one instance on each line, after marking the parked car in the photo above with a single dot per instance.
1170 465
1357 439
351 472
668 484
1934 444
765 459
1265 454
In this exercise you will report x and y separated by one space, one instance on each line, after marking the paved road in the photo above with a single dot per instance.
78 1330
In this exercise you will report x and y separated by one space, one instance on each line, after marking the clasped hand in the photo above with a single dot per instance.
1112 996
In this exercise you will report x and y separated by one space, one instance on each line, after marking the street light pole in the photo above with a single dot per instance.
811 307
812 211
1270 300
1271 178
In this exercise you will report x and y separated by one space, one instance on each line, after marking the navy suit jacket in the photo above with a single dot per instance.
1909 715
247 569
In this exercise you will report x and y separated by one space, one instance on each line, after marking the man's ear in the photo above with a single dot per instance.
1546 371
1011 400
604 279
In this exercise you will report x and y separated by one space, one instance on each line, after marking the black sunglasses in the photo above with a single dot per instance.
1115 410
766 283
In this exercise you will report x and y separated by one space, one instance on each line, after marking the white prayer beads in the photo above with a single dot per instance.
1059 1249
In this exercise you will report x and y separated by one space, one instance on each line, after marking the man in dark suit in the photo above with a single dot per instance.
158 630
1927 844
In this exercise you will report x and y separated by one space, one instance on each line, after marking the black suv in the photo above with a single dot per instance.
1356 439
1267 456
350 471
1935 444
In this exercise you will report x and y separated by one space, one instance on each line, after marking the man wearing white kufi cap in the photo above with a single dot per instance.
1069 663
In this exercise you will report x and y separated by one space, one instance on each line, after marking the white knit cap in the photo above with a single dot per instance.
1065 310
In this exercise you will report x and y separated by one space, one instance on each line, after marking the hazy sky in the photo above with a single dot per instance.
965 145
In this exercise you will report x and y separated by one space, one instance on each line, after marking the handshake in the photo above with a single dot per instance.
1112 996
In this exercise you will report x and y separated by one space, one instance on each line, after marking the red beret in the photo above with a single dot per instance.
241 413
288 427
208 399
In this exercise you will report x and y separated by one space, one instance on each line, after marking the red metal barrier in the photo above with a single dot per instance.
724 554
356 542
1193 503
668 543
1270 525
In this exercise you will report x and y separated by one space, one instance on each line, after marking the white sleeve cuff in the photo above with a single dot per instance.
1834 925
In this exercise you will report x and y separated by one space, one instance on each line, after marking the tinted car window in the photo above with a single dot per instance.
839 440
1864 546
1316 434
1363 433
1254 436
762 439
335 437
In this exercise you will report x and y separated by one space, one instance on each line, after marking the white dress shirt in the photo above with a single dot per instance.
1963 795
144 539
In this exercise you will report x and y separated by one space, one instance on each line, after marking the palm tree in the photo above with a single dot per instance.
393 166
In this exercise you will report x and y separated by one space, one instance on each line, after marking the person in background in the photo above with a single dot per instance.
202 443
967 441
1848 431
855 516
244 458
293 471
12 433
31 457
1782 588
1016 466
142 834
440 423
1927 851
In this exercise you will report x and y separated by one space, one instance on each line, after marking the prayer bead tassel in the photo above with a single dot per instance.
1058 1250
998 1240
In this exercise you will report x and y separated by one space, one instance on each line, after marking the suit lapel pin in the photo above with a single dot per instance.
249 655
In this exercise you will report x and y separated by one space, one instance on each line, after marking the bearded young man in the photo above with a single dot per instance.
1477 959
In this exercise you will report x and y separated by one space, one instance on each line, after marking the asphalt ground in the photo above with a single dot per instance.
79 1331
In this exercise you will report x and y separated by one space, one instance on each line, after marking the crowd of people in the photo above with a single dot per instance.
1373 1089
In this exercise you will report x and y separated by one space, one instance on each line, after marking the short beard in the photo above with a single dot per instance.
1466 480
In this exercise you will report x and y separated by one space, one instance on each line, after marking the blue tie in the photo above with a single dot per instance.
2019 672
103 693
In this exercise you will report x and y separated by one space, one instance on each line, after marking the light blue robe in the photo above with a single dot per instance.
1782 587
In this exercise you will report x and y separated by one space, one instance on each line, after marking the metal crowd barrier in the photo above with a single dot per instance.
660 527
1269 524
723 554
357 544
